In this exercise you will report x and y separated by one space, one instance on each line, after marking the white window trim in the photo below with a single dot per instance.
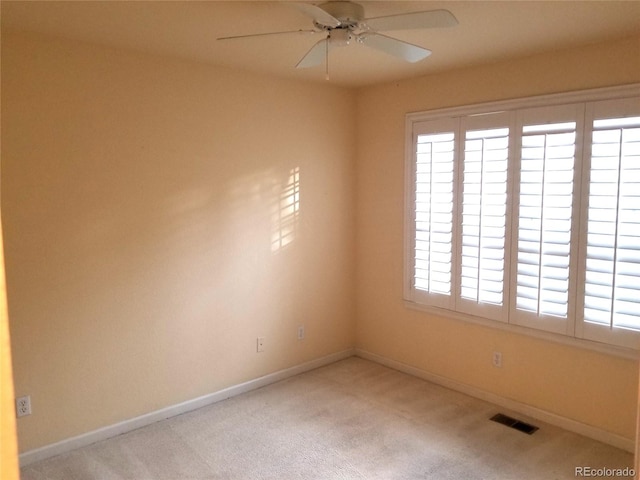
599 347
610 93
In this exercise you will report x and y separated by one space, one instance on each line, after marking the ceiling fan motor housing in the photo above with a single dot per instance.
349 13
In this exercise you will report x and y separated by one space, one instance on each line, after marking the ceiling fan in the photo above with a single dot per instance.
341 22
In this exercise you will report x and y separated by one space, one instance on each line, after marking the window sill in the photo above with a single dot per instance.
613 350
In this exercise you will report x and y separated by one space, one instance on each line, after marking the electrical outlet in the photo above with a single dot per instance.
301 332
260 344
23 406
497 359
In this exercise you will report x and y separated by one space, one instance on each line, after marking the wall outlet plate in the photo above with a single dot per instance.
301 332
23 406
260 344
497 359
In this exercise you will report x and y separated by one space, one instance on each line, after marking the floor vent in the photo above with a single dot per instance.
514 423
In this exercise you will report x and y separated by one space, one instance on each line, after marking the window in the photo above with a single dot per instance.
528 213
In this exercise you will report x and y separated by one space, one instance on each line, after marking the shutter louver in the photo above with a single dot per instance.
434 213
544 219
484 203
612 286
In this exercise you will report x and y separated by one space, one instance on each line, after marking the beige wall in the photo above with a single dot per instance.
589 387
139 200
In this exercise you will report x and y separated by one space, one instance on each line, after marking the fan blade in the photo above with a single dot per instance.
315 56
319 16
407 51
415 20
234 37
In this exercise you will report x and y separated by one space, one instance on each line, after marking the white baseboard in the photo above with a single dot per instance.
513 405
110 431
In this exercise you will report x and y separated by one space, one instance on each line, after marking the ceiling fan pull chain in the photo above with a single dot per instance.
326 52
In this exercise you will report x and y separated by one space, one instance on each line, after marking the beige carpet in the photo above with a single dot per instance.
350 420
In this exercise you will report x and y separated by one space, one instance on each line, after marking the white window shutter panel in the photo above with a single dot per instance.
544 257
611 299
433 240
483 206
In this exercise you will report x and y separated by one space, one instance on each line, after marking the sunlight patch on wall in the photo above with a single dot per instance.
285 217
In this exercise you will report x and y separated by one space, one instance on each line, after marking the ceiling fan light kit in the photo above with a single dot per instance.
339 37
344 21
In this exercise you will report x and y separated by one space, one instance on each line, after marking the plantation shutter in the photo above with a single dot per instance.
483 206
612 244
528 212
544 257
434 144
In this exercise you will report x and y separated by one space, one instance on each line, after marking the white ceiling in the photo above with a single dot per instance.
488 31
